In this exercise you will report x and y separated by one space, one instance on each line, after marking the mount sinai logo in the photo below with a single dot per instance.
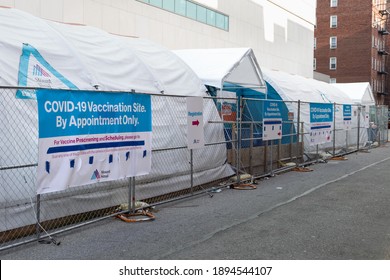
40 72
95 175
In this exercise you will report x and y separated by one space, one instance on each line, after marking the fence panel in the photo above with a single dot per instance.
176 171
234 145
265 151
378 125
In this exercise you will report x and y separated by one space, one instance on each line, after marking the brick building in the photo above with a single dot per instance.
351 43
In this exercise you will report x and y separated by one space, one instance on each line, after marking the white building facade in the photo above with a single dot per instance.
281 32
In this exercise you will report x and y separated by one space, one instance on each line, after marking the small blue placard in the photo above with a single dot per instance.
321 112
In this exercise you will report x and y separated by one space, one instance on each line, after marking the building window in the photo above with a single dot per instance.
333 3
333 63
314 64
157 3
180 7
332 80
220 21
211 17
169 5
192 10
333 42
333 21
202 14
315 43
381 44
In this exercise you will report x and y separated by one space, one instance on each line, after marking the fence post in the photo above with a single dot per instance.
386 124
38 216
251 149
279 152
358 128
192 170
265 157
346 131
298 128
291 138
234 143
239 124
378 126
334 129
271 156
131 202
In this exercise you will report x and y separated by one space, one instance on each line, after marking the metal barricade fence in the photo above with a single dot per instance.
350 133
378 125
260 157
176 171
234 145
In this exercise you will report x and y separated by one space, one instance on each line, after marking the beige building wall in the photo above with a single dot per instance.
280 32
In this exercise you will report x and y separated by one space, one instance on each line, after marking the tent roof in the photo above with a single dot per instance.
87 57
232 65
360 93
293 88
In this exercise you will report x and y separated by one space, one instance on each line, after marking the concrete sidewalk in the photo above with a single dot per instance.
341 210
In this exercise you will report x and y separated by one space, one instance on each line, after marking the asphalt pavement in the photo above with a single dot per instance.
339 211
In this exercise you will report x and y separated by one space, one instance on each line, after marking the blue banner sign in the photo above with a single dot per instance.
347 112
67 113
272 120
321 123
321 112
87 137
347 116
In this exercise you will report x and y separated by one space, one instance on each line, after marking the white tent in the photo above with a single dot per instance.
293 88
215 67
86 58
228 73
360 93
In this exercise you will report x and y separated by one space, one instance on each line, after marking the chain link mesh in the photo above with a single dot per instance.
25 216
